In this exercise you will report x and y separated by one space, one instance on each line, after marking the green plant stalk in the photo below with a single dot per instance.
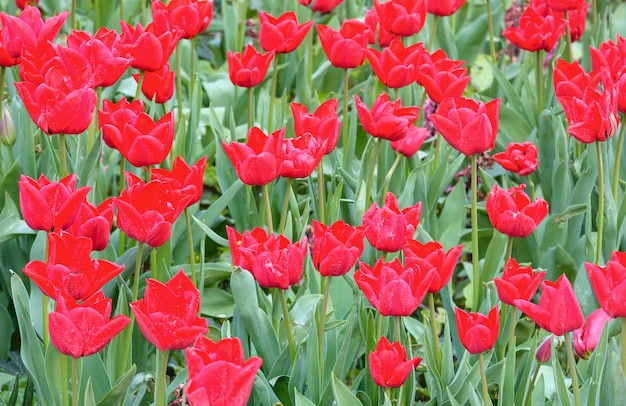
65 390
433 328
438 142
283 212
74 381
600 202
389 174
370 175
594 13
142 74
492 48
242 24
192 62
513 313
396 328
568 40
62 156
572 368
160 384
138 263
622 351
2 75
529 390
539 80
509 249
483 379
322 324
268 209
379 326
44 307
270 118
179 87
96 6
618 155
144 12
321 193
154 265
250 108
121 10
192 252
345 124
475 261
287 321
309 62
73 15
433 31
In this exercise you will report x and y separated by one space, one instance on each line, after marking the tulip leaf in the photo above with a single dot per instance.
218 239
513 99
6 326
301 400
217 303
218 206
11 225
118 392
562 394
453 217
343 395
88 398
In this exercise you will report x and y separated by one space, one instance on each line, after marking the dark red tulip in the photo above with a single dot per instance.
191 17
477 332
518 158
387 120
248 69
336 248
344 48
389 228
517 282
512 213
609 284
282 34
389 365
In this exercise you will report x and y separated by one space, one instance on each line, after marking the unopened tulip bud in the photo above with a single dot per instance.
7 129
544 352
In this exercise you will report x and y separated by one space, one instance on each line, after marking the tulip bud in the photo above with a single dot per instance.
7 129
544 352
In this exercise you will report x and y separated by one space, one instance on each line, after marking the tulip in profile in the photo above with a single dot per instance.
389 365
609 284
94 223
336 248
386 120
443 8
189 16
477 332
389 228
185 179
517 282
28 30
323 124
585 338
518 158
411 142
512 213
536 31
344 48
282 34
396 65
157 85
301 156
402 17
432 256
321 6
248 69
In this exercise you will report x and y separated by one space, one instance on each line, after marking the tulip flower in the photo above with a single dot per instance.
127 128
168 313
411 142
432 256
373 22
386 120
544 351
344 48
402 17
609 284
477 332
442 77
321 6
157 85
389 365
248 69
536 31
512 213
558 311
21 4
336 248
518 158
443 8
323 124
94 223
302 155
389 228
248 241
282 34
191 17
28 30
612 56
468 126
517 282
577 20
6 60
70 269
585 338
565 5
258 161
187 179
219 375
393 289
148 48
396 65
50 206
82 329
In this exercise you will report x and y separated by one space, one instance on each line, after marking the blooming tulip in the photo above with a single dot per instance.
184 178
411 142
384 37
344 48
323 124
443 8
157 85
336 248
512 213
517 282
386 120
432 256
389 228
536 31
282 34
321 6
148 48
612 56
396 65
442 76
477 332
402 17
302 155
518 158
389 365
609 284
28 30
585 338
249 68
189 16
564 5
94 223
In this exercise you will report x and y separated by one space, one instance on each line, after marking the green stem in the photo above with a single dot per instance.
287 321
513 313
192 63
160 385
98 19
142 75
379 326
250 108
192 252
492 48
74 382
433 30
568 40
62 155
65 390
539 80
438 142
268 209
483 379
121 10
322 325
321 193
283 212
572 368
179 87
529 391
433 327
594 13
509 249
475 259
531 188
390 174
154 265
600 202
309 62
73 15
370 175
242 24
396 328
44 307
2 74
270 118
144 12
138 263
346 79
623 346
618 156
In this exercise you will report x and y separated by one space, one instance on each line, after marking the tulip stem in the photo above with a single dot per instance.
529 391
44 306
73 15
287 321
572 368
396 328
379 326
483 379
433 327
192 252
65 390
179 88
2 74
475 261
142 75
568 39
283 213
513 314
618 155
121 10
268 209
370 175
346 79
492 48
539 80
438 142
600 202
322 325
509 249
160 384
433 30
154 265
192 63
138 263
594 13
321 192
74 382
623 343
309 62
62 156
250 107
390 174
270 118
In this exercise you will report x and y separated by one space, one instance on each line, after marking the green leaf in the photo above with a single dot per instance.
218 239
89 399
217 303
301 400
118 392
343 395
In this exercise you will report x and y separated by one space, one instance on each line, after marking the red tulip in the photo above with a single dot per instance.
402 17
323 124
389 228
94 223
517 282
571 80
393 289
564 5
282 34
396 65
187 179
148 48
344 48
321 6
442 77
577 19
249 241
443 8
411 142
536 30
477 332
585 338
558 311
512 213
189 16
612 56
219 375
386 120
168 313
23 3
82 329
384 37
609 284
28 30
6 60
432 256
157 85
50 206
70 269
389 365
336 248
258 161
302 155
518 158
127 128
248 69
544 351
468 126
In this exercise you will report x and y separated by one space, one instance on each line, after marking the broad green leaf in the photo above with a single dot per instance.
343 395
301 400
217 303
88 398
118 392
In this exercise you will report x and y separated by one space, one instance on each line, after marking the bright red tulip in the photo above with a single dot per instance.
432 256
518 158
94 223
323 124
443 8
389 228
248 69
393 289
512 213
344 48
468 126
477 332
23 3
6 60
389 365
282 34
384 37
536 30
70 269
248 241
148 48
571 80
517 282
157 85
585 338
609 284
82 329
612 56
187 179
577 19
302 156
565 5
189 16
442 77
336 248
219 375
321 6
558 311
28 30
168 313
387 120
411 142
258 161
396 65
50 206
402 17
